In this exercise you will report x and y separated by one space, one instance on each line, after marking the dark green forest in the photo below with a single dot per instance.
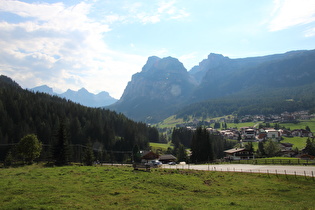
260 100
24 112
205 146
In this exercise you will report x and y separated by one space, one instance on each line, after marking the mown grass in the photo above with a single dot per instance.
110 187
301 125
160 146
299 142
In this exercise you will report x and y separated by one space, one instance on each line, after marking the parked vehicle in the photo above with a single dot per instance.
155 163
171 163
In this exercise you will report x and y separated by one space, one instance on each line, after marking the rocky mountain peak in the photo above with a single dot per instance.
214 60
167 64
44 89
150 63
161 83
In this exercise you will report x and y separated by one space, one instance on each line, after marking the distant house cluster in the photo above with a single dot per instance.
258 133
285 117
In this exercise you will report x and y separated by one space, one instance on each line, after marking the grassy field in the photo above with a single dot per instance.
110 187
160 145
172 122
298 142
301 125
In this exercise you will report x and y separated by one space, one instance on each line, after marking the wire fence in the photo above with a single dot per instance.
308 173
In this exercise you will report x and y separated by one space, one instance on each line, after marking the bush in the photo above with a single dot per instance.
29 148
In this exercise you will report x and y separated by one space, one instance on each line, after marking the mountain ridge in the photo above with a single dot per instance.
146 97
82 96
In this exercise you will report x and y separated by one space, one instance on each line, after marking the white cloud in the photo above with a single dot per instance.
64 47
288 13
61 46
147 12
310 32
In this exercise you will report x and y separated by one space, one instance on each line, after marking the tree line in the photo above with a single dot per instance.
204 146
24 112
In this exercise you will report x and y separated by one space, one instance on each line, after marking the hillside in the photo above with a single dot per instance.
220 86
89 188
23 112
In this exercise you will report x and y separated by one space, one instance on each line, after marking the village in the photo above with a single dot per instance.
260 132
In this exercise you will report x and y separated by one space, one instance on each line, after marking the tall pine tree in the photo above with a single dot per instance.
61 149
202 146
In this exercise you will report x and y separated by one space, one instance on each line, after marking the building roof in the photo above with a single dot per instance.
234 150
149 155
167 157
287 144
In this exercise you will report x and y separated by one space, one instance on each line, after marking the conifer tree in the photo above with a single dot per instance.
310 147
88 158
61 150
202 146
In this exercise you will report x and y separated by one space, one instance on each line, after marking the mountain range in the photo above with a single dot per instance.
81 96
164 86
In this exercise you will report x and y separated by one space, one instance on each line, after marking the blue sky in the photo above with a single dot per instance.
100 44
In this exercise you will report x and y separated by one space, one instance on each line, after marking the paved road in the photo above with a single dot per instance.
272 169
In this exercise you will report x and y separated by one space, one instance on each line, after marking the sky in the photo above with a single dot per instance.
100 44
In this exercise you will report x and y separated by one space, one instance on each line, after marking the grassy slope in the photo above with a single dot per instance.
298 142
172 121
108 187
160 147
301 125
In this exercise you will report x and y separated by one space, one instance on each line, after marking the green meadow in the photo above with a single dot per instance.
160 146
119 187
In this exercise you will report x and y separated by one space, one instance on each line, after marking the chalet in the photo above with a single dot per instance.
261 136
148 159
273 134
238 154
167 158
306 157
302 133
229 134
248 133
286 133
286 149
146 156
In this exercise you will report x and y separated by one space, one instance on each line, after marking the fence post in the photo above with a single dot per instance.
305 175
312 175
285 172
295 174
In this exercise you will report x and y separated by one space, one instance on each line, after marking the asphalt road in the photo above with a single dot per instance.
247 168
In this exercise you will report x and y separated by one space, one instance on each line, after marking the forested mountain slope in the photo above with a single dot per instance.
23 112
